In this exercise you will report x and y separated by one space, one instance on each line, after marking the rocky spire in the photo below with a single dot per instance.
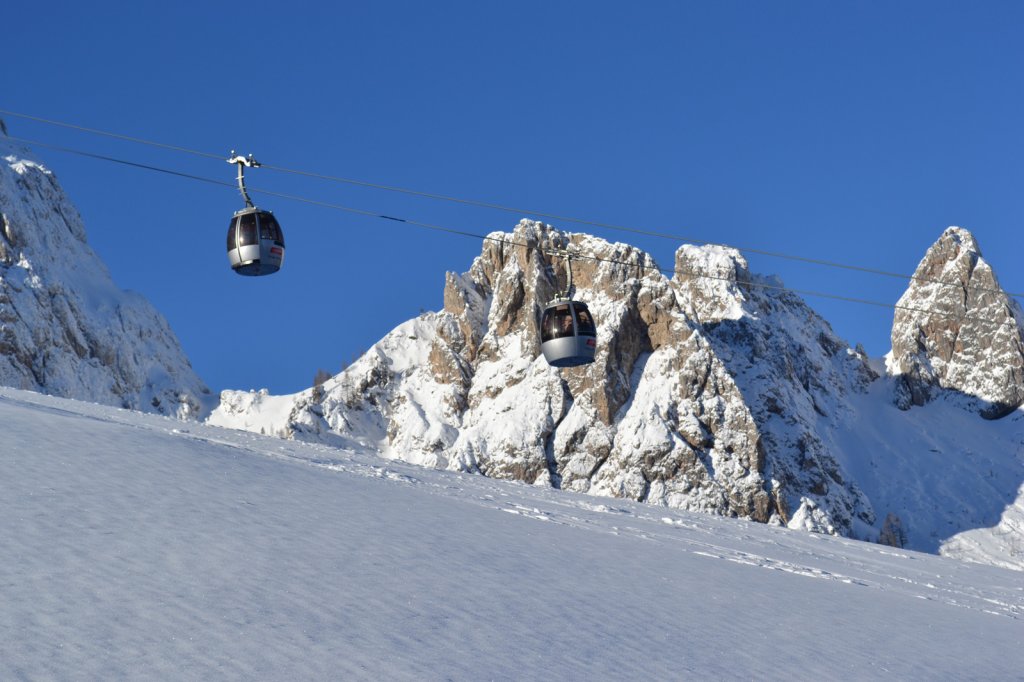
955 328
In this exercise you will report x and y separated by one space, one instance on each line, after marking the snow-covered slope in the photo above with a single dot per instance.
713 390
136 546
65 328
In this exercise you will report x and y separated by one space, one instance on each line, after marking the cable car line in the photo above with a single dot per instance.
117 136
123 162
612 226
520 211
503 241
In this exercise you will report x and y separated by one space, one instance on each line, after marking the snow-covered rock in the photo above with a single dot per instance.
712 390
65 327
663 415
956 329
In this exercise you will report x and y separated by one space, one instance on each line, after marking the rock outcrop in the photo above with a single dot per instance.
956 329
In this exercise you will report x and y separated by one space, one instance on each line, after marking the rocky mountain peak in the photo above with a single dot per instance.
705 387
955 328
712 279
712 390
65 328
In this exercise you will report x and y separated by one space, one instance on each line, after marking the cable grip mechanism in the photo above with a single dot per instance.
568 256
243 162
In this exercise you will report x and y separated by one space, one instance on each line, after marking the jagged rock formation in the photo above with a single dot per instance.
713 390
705 393
956 329
65 328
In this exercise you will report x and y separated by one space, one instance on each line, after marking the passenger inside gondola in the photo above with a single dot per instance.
584 322
557 323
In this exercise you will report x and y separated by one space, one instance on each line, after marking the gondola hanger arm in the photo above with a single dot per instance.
568 255
243 162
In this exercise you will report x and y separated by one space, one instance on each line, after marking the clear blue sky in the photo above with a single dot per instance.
853 132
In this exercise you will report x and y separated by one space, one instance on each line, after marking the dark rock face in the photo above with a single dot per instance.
956 329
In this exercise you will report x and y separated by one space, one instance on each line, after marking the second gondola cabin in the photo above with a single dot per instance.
255 242
568 334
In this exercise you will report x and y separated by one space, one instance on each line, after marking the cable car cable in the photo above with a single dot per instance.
134 164
509 209
105 133
474 235
212 181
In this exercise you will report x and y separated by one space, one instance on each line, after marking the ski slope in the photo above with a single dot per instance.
136 546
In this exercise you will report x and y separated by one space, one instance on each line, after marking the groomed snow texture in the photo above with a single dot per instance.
139 547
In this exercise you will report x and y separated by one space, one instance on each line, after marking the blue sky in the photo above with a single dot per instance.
851 132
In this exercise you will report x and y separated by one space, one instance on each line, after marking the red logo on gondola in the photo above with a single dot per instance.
591 342
276 251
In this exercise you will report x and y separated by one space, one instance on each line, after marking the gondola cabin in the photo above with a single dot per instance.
568 334
255 242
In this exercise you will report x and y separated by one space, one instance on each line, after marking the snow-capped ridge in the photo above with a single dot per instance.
65 327
484 400
714 277
715 390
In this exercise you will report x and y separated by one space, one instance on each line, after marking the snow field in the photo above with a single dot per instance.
137 546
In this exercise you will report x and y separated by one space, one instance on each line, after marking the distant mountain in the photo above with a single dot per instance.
65 327
714 390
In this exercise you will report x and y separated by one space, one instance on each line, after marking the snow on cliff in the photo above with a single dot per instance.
65 328
956 329
713 390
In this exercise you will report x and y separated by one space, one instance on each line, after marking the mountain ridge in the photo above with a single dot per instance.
714 390
65 327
